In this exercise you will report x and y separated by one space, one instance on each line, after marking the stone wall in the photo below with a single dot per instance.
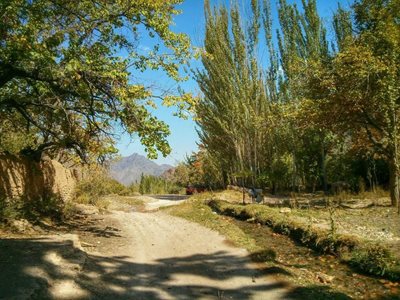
29 180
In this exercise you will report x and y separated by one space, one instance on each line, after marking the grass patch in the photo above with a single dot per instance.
371 258
131 200
126 203
375 259
196 210
232 196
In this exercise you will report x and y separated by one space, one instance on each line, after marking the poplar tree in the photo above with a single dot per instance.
232 112
304 53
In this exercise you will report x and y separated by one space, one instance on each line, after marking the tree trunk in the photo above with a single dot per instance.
244 195
323 169
394 181
274 188
396 201
394 163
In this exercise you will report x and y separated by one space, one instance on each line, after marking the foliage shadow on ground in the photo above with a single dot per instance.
118 278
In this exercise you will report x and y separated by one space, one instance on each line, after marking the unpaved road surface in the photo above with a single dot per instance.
134 255
165 200
163 257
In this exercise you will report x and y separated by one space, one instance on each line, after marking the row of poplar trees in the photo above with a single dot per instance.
305 103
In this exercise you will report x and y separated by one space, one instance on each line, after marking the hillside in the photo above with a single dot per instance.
129 169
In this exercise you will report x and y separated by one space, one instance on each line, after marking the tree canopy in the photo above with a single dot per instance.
323 108
68 69
363 82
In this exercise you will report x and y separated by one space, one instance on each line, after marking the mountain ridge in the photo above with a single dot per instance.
129 169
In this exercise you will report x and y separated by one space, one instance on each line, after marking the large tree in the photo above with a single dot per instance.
304 52
233 113
364 82
67 72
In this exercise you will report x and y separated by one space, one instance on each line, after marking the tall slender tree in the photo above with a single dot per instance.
232 110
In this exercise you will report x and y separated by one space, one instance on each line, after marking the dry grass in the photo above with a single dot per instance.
127 203
232 196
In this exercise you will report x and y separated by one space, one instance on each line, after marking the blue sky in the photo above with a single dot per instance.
183 139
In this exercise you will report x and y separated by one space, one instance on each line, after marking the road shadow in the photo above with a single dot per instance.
28 271
87 224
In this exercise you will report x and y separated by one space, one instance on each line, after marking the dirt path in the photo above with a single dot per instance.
157 256
164 200
130 255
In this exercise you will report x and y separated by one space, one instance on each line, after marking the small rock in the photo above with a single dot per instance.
285 210
383 281
324 278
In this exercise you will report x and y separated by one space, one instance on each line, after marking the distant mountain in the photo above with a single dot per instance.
127 170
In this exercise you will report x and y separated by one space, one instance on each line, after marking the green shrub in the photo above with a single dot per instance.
157 185
134 188
69 210
374 259
49 206
90 190
11 209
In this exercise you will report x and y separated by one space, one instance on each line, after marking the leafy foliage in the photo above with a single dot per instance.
67 73
46 206
235 119
157 185
363 82
96 185
374 259
322 110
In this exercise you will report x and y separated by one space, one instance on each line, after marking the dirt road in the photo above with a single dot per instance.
136 255
162 257
164 200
